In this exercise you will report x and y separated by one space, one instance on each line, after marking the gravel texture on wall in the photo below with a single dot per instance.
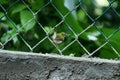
33 66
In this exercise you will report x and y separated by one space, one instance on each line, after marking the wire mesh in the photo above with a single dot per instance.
90 27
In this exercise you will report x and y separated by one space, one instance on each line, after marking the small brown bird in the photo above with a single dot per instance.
58 37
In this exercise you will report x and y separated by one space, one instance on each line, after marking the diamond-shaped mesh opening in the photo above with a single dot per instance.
66 27
45 47
74 50
19 44
105 51
113 38
110 19
94 7
48 16
33 36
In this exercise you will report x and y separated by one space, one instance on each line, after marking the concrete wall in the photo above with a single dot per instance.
32 66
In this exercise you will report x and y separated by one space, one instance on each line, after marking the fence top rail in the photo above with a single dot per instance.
29 55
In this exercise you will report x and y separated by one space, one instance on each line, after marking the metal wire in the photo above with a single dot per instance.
74 37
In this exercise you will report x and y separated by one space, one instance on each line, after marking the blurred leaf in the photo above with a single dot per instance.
69 19
1 14
3 1
107 52
36 4
81 15
16 41
49 29
25 17
10 24
36 35
115 36
70 5
8 35
18 8
93 35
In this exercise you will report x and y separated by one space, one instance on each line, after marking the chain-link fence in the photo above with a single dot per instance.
65 27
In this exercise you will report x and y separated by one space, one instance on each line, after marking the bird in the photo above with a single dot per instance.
58 37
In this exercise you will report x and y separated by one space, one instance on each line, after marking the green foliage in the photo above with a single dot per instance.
36 4
25 17
33 20
107 51
70 19
3 1
18 8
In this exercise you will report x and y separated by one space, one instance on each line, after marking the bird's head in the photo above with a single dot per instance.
63 34
59 37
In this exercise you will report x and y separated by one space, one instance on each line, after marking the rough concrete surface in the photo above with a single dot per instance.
32 66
